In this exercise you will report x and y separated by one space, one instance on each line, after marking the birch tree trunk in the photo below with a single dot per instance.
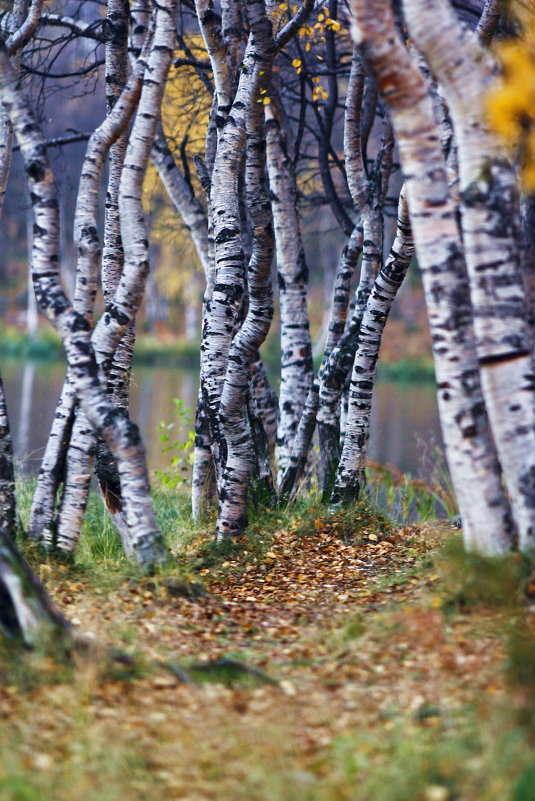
26 611
118 383
135 163
71 446
368 188
474 468
121 435
239 453
307 423
292 273
16 21
350 475
55 461
491 235
225 301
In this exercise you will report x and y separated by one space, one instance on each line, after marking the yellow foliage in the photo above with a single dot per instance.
511 105
185 113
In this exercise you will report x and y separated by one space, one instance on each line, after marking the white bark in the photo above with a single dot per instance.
121 435
350 475
8 508
240 456
292 272
25 609
225 300
368 187
307 422
473 464
491 235
77 463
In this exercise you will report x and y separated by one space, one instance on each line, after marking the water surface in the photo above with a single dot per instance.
404 431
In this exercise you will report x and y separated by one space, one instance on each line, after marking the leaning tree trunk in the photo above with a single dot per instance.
26 612
350 475
474 468
71 445
307 423
368 187
490 224
120 311
121 435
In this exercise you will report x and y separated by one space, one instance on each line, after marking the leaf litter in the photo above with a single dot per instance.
309 669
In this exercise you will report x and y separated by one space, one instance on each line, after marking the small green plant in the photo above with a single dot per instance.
178 439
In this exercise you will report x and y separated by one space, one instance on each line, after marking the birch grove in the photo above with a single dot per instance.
365 112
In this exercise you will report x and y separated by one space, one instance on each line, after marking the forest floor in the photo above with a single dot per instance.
327 659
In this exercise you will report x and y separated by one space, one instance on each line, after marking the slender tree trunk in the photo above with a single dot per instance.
266 401
368 187
26 611
307 423
350 475
118 383
188 207
491 236
474 468
292 272
223 304
71 446
490 21
240 457
121 435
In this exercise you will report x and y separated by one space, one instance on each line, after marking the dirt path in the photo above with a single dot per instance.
366 659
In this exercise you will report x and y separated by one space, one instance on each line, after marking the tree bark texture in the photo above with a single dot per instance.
350 475
26 611
292 273
368 187
224 303
8 506
71 447
239 456
121 435
307 422
474 468
490 221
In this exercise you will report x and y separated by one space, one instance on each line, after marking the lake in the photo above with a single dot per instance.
405 427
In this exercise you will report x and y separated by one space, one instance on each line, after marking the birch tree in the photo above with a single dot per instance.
473 463
121 435
26 611
490 221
